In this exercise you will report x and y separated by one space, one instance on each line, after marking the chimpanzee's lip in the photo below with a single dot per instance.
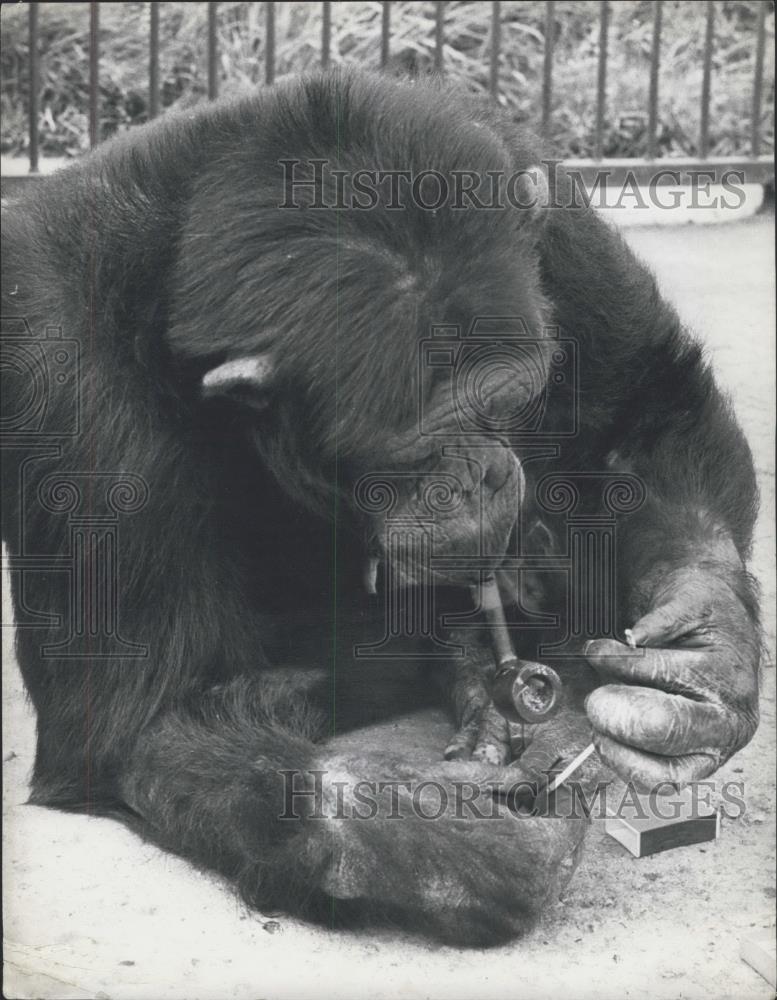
410 574
458 577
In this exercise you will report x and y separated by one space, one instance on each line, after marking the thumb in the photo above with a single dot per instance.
664 624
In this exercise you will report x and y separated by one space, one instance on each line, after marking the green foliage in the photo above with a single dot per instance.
356 32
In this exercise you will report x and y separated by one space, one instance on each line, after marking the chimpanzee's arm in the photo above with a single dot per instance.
648 403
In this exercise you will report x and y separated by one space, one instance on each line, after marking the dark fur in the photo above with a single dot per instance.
164 253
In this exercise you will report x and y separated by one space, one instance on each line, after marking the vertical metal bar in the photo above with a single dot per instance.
269 68
547 66
32 20
385 35
326 33
94 70
601 80
213 72
709 37
655 63
496 38
439 35
758 81
153 60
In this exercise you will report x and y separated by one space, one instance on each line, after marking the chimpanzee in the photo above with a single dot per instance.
220 340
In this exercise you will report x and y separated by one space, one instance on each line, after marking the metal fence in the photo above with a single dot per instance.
754 166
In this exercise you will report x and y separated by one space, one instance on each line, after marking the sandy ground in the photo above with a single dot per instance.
90 911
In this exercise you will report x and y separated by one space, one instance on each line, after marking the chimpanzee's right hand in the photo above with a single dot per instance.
437 849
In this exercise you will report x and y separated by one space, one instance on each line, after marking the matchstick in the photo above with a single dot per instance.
571 768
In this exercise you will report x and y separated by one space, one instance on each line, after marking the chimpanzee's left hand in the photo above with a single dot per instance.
689 696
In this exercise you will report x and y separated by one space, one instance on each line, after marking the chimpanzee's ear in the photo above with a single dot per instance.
245 380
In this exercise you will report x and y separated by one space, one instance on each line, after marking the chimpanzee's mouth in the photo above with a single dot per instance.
437 527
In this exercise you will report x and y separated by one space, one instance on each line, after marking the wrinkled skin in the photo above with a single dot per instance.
540 748
471 485
471 491
671 711
680 707
482 732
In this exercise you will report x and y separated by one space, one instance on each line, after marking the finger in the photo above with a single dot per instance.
667 622
656 721
647 771
538 762
463 742
493 738
676 670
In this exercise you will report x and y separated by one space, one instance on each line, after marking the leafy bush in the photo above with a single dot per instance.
356 32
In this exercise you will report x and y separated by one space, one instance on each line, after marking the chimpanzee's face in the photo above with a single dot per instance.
446 481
